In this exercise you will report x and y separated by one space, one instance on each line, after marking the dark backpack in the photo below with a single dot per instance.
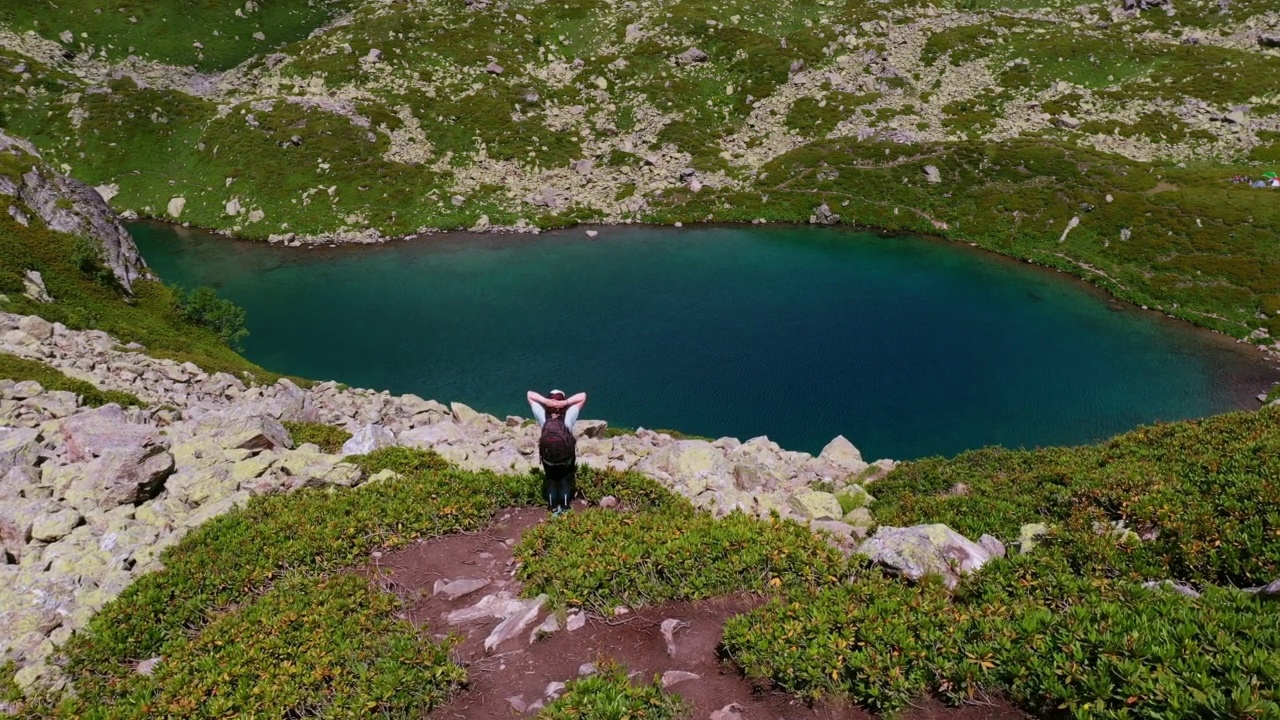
557 445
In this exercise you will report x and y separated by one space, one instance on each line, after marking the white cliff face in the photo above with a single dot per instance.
90 497
65 205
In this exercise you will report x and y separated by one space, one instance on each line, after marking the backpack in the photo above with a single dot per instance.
557 445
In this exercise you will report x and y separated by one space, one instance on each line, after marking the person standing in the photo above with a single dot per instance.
557 447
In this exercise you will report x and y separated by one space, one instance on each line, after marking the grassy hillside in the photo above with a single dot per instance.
442 114
1066 627
151 317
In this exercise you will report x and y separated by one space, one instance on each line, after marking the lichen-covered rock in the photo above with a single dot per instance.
923 550
19 447
92 433
253 432
120 476
1029 536
816 505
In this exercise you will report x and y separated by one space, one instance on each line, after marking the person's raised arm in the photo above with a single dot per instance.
534 397
580 399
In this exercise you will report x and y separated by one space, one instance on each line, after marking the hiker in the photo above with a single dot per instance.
556 446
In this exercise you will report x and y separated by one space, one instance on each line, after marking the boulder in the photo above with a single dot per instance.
432 436
176 206
254 432
1029 535
462 413
36 326
17 518
922 550
822 215
367 439
691 56
692 465
590 428
932 175
54 526
816 505
92 433
120 476
841 453
19 447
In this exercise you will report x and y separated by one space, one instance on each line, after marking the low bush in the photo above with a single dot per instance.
330 438
609 695
1030 628
600 559
1196 501
310 646
16 368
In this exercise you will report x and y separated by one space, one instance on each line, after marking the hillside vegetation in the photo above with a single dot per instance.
356 119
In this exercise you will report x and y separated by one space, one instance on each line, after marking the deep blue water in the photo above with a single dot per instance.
907 346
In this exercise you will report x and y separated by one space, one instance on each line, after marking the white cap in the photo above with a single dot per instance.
560 392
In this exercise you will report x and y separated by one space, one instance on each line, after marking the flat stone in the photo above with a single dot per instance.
548 626
674 677
515 624
576 621
461 587
554 689
925 550
669 628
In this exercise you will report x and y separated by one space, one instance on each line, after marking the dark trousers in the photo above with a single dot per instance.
558 484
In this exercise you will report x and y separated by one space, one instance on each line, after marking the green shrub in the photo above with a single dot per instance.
609 695
1204 496
1030 628
203 307
310 646
600 559
16 368
330 438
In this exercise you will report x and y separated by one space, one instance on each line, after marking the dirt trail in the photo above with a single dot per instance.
512 678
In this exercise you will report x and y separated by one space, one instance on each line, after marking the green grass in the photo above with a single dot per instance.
167 30
610 695
330 438
50 378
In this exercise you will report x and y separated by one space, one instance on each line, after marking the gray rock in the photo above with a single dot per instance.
121 476
367 439
148 666
576 621
1172 585
1269 41
92 433
69 206
17 518
1270 591
691 56
493 68
932 175
822 215
922 550
675 677
992 546
19 447
816 505
255 432
461 587
587 669
548 626
669 628
841 453
583 167
591 428
36 326
515 624
33 287
1067 122
732 711
55 526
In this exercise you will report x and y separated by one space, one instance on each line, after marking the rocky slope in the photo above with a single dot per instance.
65 205
91 496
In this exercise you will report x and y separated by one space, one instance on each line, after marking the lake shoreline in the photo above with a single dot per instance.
836 307
1266 354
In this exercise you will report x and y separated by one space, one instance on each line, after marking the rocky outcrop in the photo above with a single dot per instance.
68 206
90 497
915 552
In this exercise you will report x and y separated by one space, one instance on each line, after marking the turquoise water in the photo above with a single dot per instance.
907 346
